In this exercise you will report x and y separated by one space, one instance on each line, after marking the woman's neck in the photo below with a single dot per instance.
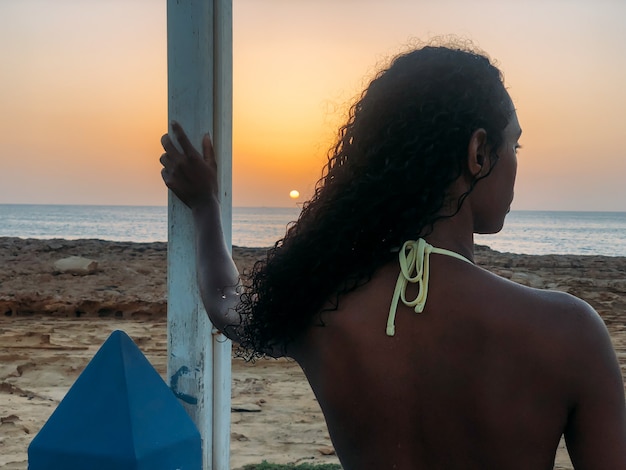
454 233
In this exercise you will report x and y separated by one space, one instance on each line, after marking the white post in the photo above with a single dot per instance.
199 48
223 137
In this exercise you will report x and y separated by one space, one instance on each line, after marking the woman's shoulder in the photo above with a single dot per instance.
567 318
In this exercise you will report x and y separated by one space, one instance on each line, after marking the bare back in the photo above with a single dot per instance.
490 375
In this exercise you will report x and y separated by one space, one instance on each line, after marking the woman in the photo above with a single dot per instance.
489 374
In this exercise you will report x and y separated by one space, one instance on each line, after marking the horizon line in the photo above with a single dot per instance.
295 206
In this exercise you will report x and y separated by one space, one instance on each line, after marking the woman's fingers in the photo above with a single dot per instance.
190 176
168 145
207 149
208 153
183 140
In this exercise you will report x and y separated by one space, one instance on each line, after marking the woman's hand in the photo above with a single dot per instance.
193 178
190 175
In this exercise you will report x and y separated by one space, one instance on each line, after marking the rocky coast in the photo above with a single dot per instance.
54 317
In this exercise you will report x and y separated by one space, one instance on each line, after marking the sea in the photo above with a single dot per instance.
525 232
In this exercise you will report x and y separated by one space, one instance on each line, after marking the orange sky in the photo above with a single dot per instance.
83 93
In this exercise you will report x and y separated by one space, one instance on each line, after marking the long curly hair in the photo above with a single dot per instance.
386 181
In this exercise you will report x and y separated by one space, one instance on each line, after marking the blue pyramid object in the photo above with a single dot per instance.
119 414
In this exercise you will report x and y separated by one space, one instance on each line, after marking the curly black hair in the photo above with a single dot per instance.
386 181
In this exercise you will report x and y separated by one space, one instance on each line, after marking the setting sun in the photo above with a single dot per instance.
294 194
294 80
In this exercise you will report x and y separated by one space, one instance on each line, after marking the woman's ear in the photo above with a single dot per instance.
477 160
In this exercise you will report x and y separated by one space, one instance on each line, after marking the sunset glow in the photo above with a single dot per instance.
84 93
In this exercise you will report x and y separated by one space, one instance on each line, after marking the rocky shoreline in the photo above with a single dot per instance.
53 320
129 280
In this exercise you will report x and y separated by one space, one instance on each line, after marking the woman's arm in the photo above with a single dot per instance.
596 429
193 179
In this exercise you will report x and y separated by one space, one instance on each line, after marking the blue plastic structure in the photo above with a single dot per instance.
119 414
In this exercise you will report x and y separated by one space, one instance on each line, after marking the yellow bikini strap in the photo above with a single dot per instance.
414 260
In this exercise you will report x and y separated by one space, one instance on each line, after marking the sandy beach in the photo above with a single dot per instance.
52 323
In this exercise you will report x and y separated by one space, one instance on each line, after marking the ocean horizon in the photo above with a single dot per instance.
524 232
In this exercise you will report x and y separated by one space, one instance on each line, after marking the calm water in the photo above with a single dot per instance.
547 232
252 227
530 232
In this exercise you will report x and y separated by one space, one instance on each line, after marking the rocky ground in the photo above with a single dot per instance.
52 322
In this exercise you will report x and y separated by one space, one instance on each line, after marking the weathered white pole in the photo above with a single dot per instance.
199 48
222 135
